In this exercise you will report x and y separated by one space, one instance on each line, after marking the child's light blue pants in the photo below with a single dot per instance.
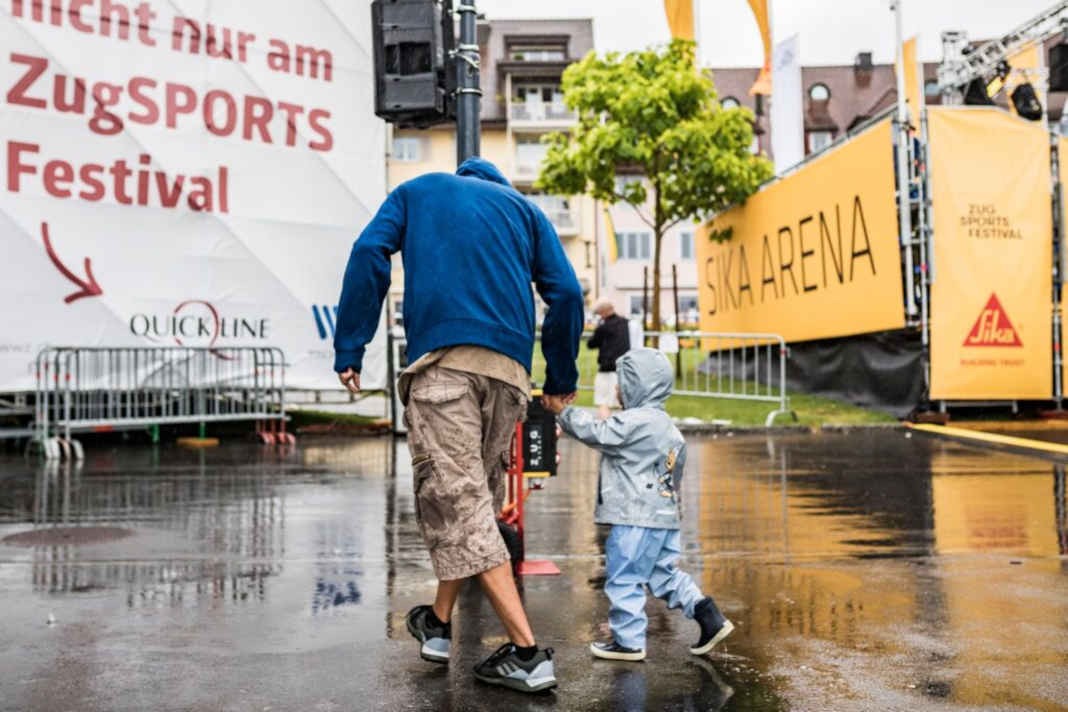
640 556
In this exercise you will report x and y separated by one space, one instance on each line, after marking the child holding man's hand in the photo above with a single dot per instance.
643 455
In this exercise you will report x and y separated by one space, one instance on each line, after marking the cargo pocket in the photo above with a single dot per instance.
442 419
438 393
428 510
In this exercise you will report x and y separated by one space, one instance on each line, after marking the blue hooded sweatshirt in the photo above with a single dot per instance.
471 246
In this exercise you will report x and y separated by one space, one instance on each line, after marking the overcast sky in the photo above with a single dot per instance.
832 31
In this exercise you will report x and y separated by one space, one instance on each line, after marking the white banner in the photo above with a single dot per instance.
787 110
184 172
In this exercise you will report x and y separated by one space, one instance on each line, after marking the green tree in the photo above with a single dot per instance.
649 111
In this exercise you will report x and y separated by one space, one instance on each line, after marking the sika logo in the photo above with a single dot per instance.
993 327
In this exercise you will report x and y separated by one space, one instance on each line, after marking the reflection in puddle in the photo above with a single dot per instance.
863 571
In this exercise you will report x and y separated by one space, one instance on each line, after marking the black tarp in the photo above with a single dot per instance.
882 370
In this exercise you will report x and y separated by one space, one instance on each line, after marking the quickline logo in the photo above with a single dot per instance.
325 320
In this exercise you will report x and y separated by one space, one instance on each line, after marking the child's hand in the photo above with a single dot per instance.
554 403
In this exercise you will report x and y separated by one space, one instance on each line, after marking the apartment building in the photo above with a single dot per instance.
628 281
522 62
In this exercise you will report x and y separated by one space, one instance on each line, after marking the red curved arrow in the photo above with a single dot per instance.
88 289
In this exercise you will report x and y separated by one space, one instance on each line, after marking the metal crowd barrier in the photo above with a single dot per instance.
738 366
104 389
741 366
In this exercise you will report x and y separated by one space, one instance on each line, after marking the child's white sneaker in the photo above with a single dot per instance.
611 650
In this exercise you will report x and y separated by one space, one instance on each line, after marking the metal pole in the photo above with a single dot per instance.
904 207
468 93
1057 194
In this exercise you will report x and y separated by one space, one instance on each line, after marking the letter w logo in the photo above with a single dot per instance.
325 318
993 327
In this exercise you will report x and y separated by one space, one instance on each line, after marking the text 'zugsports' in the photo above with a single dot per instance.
112 105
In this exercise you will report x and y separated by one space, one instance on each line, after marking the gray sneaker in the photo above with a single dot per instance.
435 640
505 668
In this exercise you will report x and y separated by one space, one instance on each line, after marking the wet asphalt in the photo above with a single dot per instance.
864 571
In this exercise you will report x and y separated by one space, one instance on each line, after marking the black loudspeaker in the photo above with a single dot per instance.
975 93
1026 103
413 41
1058 67
539 440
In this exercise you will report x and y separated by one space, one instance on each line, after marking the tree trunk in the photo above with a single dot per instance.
656 279
658 236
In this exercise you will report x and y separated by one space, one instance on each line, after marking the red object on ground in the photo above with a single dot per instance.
512 513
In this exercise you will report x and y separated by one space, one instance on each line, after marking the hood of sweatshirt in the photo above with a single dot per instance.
482 169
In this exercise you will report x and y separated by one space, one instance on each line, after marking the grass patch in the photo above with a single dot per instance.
302 418
810 409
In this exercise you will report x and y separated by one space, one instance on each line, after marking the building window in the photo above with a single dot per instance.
407 149
730 103
537 53
819 92
623 181
634 245
637 303
539 93
686 246
819 140
930 88
688 313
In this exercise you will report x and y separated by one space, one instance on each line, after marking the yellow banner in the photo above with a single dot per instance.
763 20
680 18
913 80
991 299
812 256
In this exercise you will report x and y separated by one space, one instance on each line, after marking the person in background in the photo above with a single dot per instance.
611 339
472 245
643 458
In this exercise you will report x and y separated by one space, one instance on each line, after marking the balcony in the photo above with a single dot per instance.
530 153
559 212
540 115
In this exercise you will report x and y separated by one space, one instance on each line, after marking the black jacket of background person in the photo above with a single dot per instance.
612 340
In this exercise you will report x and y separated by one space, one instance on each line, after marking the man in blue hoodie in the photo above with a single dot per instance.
471 246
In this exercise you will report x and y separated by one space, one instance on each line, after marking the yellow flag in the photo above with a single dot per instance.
680 18
763 19
913 82
611 245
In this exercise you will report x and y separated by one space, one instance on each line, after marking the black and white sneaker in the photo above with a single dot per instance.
505 668
714 627
611 650
435 640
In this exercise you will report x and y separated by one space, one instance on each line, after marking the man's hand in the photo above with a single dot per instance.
351 380
556 404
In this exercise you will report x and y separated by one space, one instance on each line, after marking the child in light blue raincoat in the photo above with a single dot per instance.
643 455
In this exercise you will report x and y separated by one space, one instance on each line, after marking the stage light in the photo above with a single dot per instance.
1026 102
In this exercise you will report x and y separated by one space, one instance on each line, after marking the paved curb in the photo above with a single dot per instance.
719 429
1023 446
